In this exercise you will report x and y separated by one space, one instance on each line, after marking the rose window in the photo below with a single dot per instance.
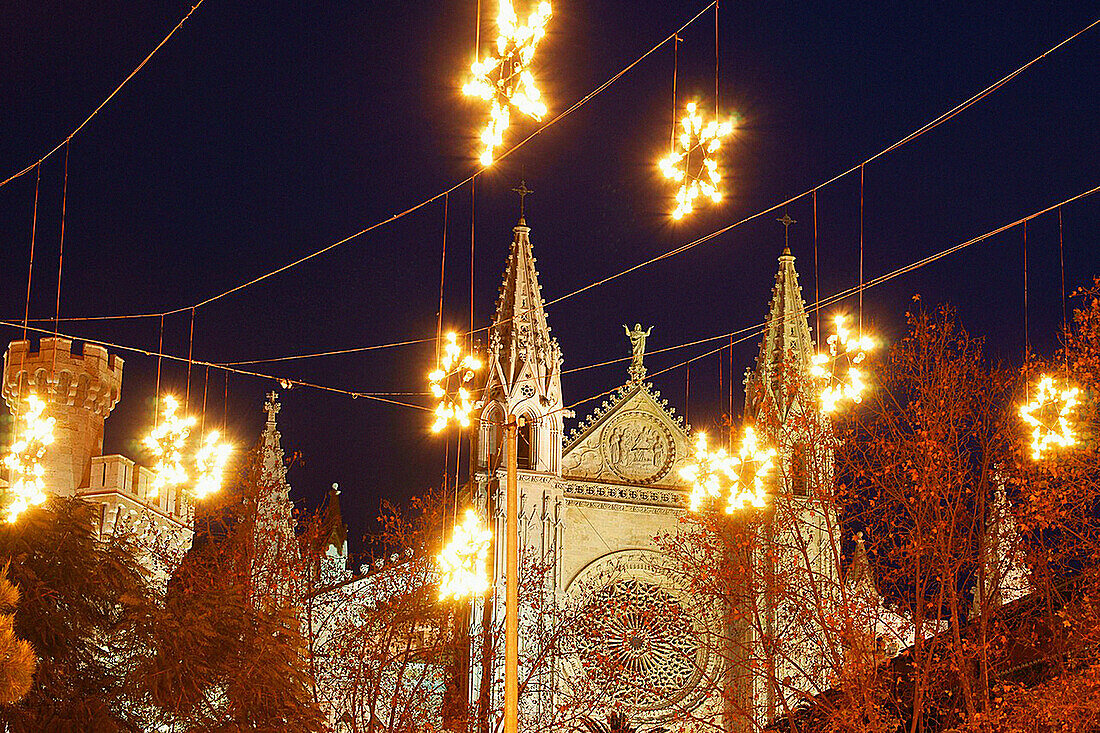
640 644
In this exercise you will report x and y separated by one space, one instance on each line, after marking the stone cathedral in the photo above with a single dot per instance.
592 502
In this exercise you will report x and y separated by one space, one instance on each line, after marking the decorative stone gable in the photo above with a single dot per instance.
632 438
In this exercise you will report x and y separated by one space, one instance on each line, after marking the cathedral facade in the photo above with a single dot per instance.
592 505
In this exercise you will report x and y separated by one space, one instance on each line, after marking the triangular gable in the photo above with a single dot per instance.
633 438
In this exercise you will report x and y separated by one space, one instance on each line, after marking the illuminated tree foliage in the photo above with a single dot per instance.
17 660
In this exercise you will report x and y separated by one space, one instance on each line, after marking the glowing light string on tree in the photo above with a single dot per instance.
450 384
693 162
505 80
462 562
839 371
33 434
1049 416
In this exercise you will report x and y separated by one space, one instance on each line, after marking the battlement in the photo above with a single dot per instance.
88 379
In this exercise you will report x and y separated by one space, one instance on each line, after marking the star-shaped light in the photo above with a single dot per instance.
839 370
33 433
505 79
450 383
1049 416
462 562
739 477
693 163
210 460
166 444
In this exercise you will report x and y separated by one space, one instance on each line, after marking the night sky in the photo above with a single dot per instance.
264 131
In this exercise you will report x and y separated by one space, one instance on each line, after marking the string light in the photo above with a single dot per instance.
453 367
166 444
752 465
210 461
505 79
839 370
740 476
33 433
462 562
696 142
1049 416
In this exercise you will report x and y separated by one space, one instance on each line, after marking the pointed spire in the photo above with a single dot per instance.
859 579
335 535
786 349
520 334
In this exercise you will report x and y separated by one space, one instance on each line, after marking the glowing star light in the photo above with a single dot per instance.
1049 417
692 164
739 477
462 562
839 371
456 369
33 433
166 444
210 460
505 80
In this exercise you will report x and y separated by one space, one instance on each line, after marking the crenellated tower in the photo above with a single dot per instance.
80 388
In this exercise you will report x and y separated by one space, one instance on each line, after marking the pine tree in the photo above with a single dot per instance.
17 660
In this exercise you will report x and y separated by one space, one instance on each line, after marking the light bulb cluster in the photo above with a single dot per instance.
450 384
692 163
462 563
1049 415
839 371
740 476
505 79
167 444
33 434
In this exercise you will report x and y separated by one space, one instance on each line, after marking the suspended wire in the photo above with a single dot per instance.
160 358
716 112
861 250
675 72
102 104
190 353
817 281
30 266
701 240
378 396
61 249
442 275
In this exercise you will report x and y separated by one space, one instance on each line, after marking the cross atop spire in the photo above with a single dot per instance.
786 221
272 406
523 192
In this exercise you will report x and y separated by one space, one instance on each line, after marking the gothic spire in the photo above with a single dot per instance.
786 349
520 335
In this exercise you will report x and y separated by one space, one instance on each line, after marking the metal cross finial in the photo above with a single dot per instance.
786 221
523 192
272 406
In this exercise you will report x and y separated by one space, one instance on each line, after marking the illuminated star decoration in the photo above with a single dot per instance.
454 369
693 163
740 477
505 80
462 562
839 370
166 444
33 433
1049 417
210 460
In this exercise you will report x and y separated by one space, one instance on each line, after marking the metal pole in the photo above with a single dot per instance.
511 617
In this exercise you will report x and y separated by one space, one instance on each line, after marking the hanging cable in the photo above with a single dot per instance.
160 357
102 104
1065 319
30 273
817 292
675 71
190 353
202 422
717 114
225 403
61 250
442 275
861 250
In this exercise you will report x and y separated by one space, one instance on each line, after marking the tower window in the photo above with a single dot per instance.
523 446
800 467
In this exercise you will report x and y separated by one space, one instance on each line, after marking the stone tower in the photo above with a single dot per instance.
801 528
523 379
80 389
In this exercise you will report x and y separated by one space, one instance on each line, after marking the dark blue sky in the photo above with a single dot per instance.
261 132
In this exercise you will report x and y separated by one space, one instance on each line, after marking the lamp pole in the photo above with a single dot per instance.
511 611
